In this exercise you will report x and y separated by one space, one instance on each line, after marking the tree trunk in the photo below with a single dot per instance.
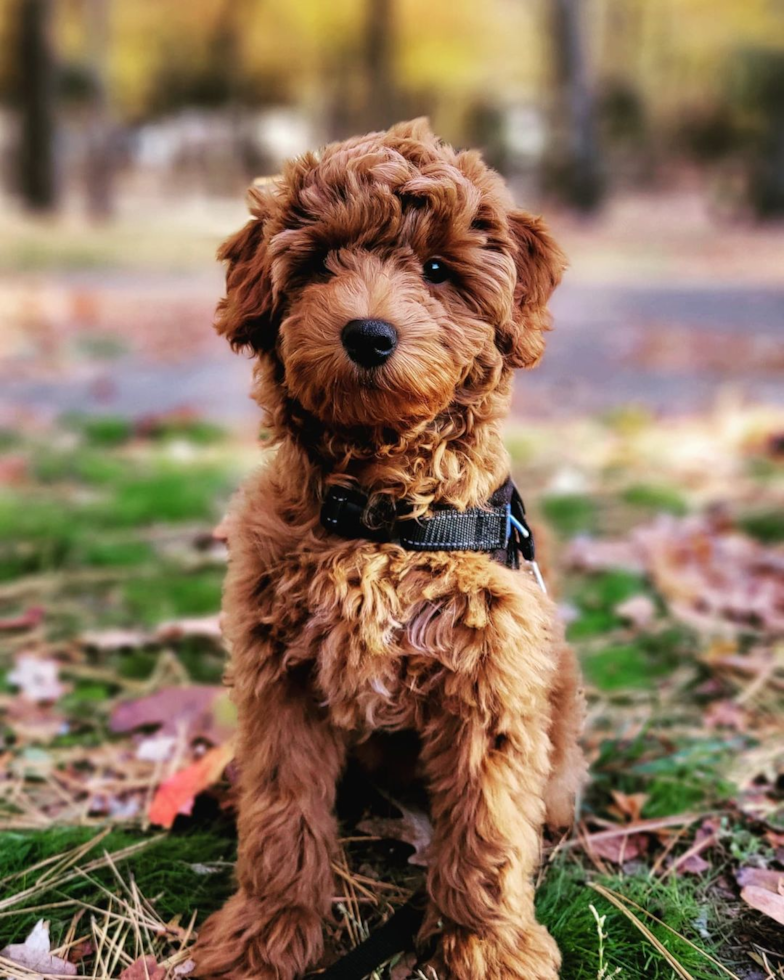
100 159
575 153
37 157
380 108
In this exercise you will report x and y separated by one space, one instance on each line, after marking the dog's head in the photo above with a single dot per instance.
388 279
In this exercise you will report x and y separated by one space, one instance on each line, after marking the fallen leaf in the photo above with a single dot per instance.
207 627
178 793
184 968
627 806
172 708
694 864
141 969
413 828
620 849
725 714
81 950
404 968
773 881
115 639
767 902
639 610
156 748
37 678
34 953
29 619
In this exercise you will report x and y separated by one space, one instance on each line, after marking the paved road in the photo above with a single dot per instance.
670 349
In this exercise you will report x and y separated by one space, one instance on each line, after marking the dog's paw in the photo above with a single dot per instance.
245 940
531 954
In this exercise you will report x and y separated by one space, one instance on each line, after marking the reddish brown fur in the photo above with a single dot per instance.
333 639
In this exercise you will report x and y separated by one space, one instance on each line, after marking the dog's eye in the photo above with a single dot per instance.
435 271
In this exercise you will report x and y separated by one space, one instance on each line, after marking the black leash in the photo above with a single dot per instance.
392 937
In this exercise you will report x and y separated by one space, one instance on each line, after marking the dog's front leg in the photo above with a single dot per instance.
289 759
486 753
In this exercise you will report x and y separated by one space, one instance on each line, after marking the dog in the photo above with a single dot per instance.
388 288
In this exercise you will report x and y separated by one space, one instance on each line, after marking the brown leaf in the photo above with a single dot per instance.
767 902
620 849
761 878
191 708
413 828
694 864
141 969
627 806
202 626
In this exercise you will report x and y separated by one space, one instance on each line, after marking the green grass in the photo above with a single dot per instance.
106 431
571 513
657 498
168 593
677 775
684 904
164 872
596 598
766 526
58 527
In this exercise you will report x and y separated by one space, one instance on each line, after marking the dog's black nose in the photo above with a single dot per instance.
369 343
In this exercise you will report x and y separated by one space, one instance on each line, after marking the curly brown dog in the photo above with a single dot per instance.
388 288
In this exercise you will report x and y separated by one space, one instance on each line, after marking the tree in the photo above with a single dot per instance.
577 173
37 163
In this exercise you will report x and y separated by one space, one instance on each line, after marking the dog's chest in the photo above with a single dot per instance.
377 628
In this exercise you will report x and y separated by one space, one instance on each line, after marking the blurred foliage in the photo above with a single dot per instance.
670 56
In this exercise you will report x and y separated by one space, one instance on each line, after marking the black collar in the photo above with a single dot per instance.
499 528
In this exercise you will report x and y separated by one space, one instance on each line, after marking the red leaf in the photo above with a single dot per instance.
28 619
178 793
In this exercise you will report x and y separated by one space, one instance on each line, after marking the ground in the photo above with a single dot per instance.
124 428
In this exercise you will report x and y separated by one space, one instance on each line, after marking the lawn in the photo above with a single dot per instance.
663 544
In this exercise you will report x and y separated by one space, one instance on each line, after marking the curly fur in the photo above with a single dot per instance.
332 640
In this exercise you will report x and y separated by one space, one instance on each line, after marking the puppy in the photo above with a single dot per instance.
388 288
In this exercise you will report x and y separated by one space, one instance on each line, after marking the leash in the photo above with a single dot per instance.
499 529
390 938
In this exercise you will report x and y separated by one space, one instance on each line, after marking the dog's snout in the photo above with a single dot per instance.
369 343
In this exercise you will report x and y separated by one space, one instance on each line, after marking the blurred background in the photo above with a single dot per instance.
651 132
649 444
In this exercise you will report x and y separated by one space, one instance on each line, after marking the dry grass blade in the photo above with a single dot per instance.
693 851
618 901
70 857
18 972
55 882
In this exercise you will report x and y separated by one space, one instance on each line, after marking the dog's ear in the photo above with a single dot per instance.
540 264
246 315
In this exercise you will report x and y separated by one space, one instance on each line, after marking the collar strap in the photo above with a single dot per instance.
499 529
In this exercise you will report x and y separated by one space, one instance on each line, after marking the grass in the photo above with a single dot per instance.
179 872
656 498
110 530
688 907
